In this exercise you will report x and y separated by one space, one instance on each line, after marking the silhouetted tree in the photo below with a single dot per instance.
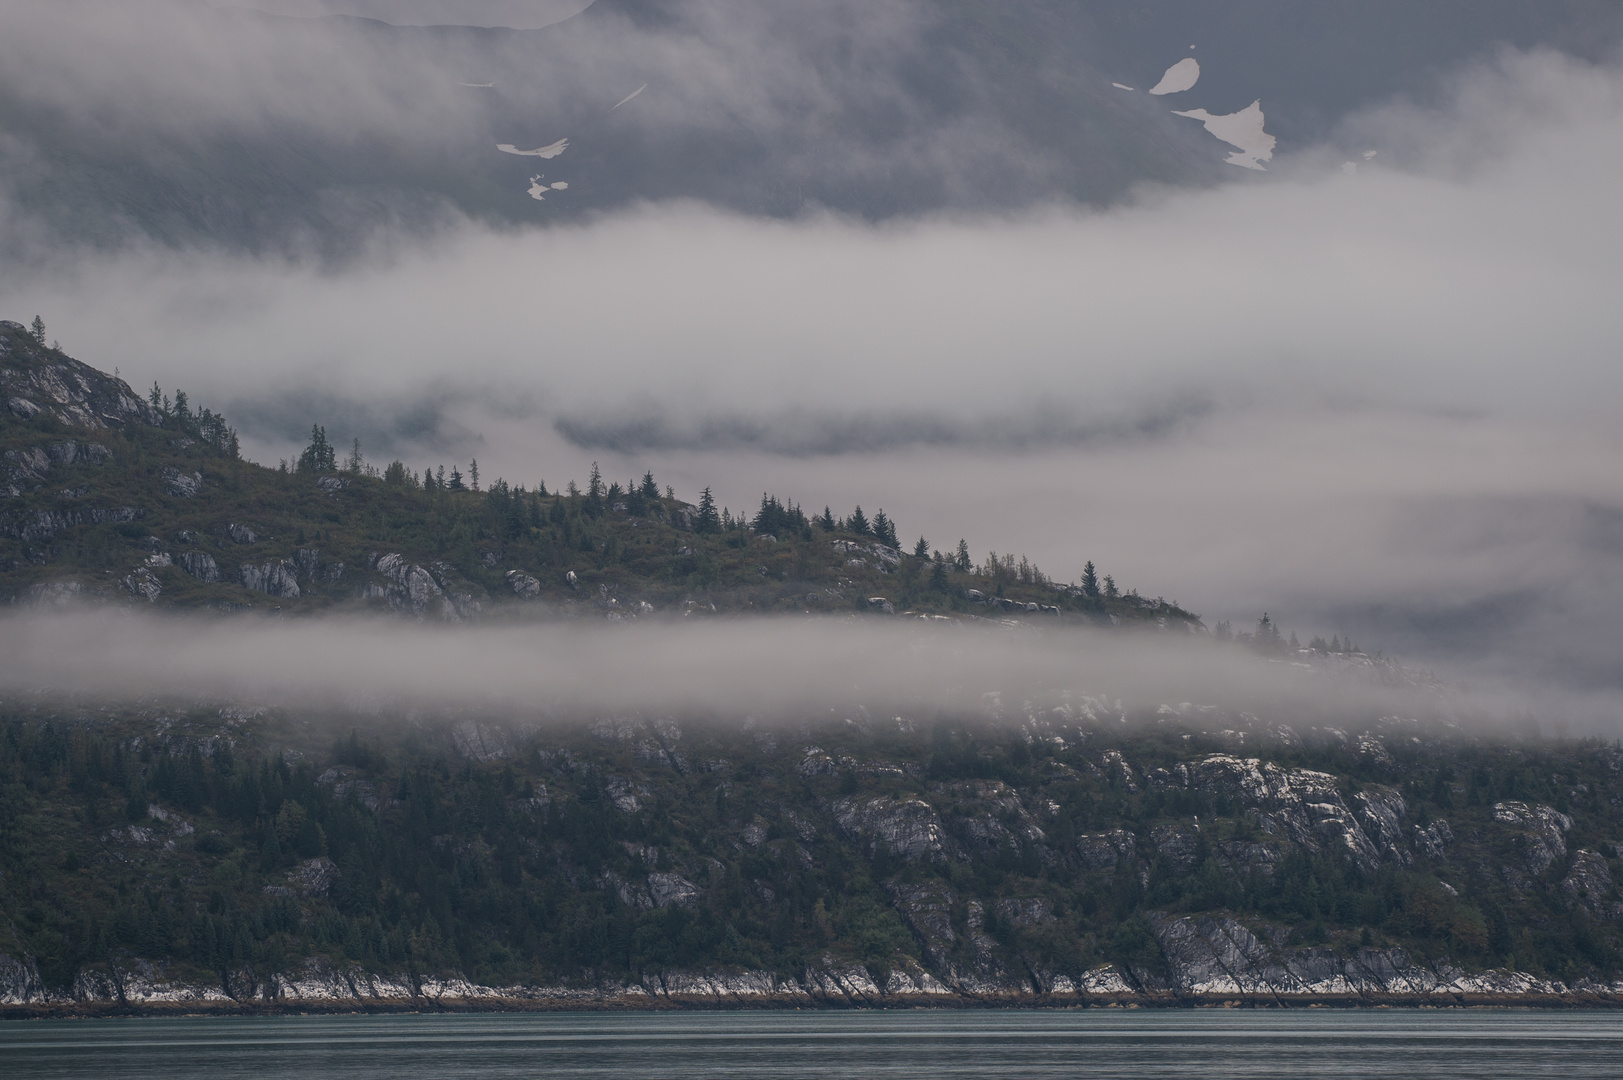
1090 580
708 520
858 523
319 456
921 550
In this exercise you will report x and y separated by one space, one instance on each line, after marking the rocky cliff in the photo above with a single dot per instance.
229 859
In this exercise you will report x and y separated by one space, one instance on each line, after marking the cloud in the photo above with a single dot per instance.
1383 403
775 669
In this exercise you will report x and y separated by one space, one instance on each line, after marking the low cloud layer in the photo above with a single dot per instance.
776 670
1381 400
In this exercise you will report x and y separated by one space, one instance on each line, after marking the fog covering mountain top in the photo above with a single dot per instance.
238 129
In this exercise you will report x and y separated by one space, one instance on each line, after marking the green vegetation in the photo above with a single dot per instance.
631 541
183 836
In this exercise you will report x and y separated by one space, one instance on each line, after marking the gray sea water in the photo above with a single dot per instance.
1098 1043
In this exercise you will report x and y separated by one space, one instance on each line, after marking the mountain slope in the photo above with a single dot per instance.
106 497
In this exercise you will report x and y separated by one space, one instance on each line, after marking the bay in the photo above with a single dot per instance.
1212 1044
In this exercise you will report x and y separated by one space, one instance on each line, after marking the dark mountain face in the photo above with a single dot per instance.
251 131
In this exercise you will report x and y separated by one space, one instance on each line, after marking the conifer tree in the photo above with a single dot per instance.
1090 580
708 520
456 480
885 529
37 331
826 521
961 560
649 489
473 468
319 456
921 550
938 572
858 523
1110 588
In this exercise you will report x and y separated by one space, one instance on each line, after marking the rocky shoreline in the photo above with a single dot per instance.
1211 962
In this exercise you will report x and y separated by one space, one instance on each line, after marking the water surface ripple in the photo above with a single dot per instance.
1210 1044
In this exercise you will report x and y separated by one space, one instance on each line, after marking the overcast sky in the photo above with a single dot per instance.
1382 400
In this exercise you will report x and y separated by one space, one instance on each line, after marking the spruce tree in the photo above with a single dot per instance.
885 529
649 489
921 550
708 520
1090 580
938 572
858 523
319 456
37 331
826 521
473 467
961 559
456 480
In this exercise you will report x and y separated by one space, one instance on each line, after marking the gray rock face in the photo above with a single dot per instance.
35 379
1103 851
44 524
411 588
200 566
316 877
668 890
1434 839
1538 837
906 826
279 578
1218 957
184 485
49 594
1589 885
1298 806
927 910
1179 845
143 583
242 534
332 484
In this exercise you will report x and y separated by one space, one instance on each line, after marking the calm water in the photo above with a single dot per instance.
1208 1044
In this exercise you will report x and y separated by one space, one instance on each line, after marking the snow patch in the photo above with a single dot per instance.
1242 129
550 151
1121 86
1179 77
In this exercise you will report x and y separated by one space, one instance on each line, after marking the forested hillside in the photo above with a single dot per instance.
108 496
987 857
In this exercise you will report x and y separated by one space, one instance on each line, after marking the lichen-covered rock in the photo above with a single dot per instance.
35 379
1589 885
905 825
314 877
524 586
1538 834
927 910
185 485
279 578
1103 851
411 588
200 565
44 524
143 583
